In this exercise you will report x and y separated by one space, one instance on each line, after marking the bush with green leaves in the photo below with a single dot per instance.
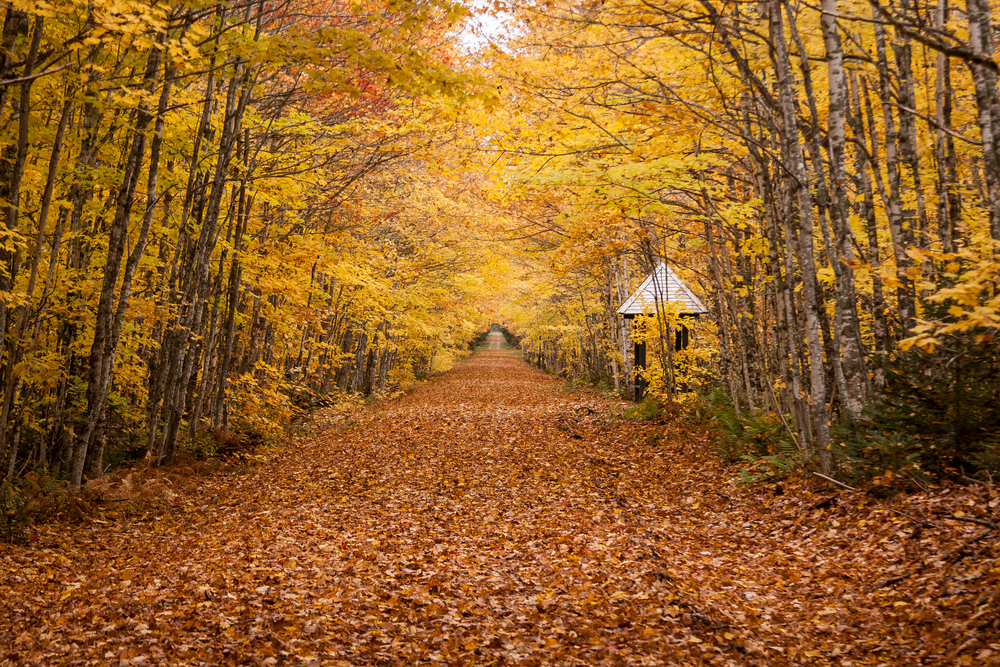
941 404
938 414
13 512
512 340
202 447
862 453
653 410
479 341
33 498
747 436
783 462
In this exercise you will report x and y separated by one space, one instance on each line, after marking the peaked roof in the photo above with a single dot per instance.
662 285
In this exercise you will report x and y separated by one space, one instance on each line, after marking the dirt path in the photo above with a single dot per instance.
482 520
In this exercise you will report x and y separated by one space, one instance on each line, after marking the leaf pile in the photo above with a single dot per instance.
487 518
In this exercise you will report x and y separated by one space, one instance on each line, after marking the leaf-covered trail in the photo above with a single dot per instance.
483 520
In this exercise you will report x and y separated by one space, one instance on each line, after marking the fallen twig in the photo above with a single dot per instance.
722 495
822 504
957 551
968 543
973 480
892 580
831 479
969 519
913 519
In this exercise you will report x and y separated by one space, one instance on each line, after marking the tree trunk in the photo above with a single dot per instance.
851 351
109 320
866 212
898 227
797 168
988 103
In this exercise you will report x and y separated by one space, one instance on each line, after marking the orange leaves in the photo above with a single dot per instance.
463 524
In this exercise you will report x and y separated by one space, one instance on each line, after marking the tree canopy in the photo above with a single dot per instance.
217 215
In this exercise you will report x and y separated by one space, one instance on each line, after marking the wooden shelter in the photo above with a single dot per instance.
660 287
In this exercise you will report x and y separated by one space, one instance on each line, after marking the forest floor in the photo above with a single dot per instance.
491 517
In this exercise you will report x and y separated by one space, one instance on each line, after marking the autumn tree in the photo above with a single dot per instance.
787 157
198 224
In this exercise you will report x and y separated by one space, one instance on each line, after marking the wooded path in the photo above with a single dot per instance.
489 517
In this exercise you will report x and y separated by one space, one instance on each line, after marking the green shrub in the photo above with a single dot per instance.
121 451
512 340
987 460
591 380
700 410
37 497
748 436
863 453
652 410
202 447
13 513
940 408
771 467
479 341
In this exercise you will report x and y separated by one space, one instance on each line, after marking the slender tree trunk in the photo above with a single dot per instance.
851 350
949 206
988 103
915 220
109 320
866 212
613 330
785 348
797 168
898 227
13 160
15 22
232 300
183 363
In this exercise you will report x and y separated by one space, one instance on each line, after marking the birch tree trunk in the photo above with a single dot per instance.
949 200
799 183
900 232
851 351
865 170
988 103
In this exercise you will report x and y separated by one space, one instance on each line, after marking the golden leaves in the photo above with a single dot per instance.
968 292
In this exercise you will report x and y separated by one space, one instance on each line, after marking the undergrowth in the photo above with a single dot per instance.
133 485
598 381
937 417
756 440
744 436
653 410
141 488
37 497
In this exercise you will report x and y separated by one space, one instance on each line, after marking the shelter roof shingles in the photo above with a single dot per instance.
662 285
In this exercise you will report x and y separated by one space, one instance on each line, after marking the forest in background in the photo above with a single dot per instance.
826 177
219 214
216 213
